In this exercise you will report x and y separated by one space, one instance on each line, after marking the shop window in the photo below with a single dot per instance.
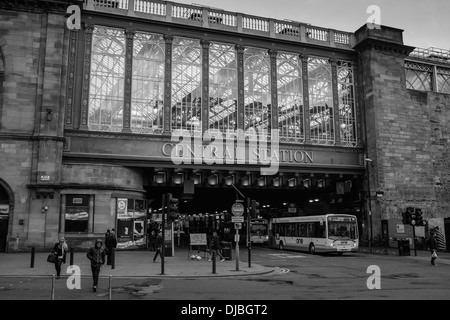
131 223
76 213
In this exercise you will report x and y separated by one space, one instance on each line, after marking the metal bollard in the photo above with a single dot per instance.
53 288
109 290
214 262
33 251
71 256
113 258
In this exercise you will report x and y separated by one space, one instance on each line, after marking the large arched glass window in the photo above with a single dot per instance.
187 85
418 76
291 120
106 90
223 87
346 92
257 103
443 80
147 100
320 101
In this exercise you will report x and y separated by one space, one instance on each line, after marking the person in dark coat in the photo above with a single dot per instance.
215 246
159 247
110 243
107 234
152 241
60 250
96 255
433 248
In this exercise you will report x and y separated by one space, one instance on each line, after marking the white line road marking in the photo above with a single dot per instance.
285 255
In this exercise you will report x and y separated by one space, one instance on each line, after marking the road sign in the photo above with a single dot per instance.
238 226
237 209
238 219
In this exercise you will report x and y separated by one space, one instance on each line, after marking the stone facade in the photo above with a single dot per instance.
405 132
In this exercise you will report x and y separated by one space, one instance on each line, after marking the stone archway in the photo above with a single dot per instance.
6 210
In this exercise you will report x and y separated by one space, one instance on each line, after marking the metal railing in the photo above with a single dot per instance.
213 18
434 54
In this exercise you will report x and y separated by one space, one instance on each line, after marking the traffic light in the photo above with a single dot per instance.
172 207
406 216
413 216
419 217
254 209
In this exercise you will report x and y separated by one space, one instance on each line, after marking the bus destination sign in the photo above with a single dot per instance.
341 219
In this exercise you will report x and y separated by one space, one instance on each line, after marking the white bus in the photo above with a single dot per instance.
324 233
259 231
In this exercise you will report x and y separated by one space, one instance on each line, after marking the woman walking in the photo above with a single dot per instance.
60 250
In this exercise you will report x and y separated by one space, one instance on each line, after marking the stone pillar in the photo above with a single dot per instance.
88 32
168 84
129 35
336 122
240 74
304 59
205 85
274 90
380 59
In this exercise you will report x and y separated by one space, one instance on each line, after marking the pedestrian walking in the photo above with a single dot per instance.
152 241
107 234
215 246
159 247
110 243
433 249
96 255
60 248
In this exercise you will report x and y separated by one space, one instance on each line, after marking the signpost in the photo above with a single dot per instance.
237 210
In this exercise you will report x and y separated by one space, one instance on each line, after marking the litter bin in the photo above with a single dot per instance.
226 250
403 247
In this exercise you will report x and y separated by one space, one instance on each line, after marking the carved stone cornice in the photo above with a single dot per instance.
273 54
395 49
240 49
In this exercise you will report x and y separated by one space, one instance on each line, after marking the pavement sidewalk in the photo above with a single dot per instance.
131 264
422 255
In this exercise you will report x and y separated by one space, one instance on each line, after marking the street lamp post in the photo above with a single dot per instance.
369 161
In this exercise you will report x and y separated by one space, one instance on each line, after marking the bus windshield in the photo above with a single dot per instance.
342 230
259 229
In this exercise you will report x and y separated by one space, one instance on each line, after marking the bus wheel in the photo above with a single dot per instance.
312 248
280 245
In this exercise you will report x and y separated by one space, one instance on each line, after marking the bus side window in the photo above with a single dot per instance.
320 230
311 232
303 232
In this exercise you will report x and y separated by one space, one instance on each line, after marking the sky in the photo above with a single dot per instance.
426 23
